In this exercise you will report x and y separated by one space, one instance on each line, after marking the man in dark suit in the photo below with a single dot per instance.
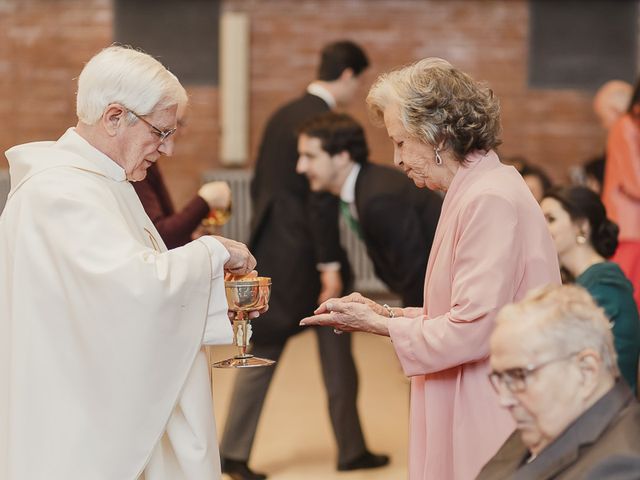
294 237
395 219
554 368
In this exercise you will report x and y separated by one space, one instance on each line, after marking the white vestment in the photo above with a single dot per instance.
102 375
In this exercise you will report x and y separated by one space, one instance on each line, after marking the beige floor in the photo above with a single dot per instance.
294 439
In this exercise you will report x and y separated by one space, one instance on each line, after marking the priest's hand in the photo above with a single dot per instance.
240 260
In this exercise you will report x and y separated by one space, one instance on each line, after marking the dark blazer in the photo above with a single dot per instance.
175 228
398 222
603 443
292 230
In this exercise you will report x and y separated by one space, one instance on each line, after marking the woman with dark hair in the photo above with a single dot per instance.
585 238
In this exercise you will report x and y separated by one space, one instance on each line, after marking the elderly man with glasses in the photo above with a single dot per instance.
102 371
554 368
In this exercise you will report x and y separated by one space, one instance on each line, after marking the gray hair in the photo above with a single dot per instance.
568 319
439 104
129 77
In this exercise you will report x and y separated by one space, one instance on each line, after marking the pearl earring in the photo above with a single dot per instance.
581 239
436 150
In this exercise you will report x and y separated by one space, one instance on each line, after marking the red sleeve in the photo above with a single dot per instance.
175 228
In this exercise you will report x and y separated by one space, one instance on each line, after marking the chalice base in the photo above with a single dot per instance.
244 361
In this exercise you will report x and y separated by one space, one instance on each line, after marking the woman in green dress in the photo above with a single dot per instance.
585 238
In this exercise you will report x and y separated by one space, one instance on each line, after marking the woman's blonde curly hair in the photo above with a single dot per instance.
440 105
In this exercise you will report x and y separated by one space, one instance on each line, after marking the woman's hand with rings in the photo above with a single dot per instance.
348 316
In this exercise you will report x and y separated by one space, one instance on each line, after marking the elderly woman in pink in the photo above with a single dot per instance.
491 246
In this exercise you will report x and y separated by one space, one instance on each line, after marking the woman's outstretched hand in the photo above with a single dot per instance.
357 298
350 314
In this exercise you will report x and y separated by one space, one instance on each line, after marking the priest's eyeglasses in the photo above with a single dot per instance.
515 379
162 134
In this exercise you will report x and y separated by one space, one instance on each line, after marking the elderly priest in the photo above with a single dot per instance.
554 368
102 374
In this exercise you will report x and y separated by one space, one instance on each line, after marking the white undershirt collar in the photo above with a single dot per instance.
318 90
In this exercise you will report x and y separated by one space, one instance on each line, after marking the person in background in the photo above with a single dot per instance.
491 247
585 238
102 327
554 369
609 104
395 220
536 179
611 101
593 172
621 190
294 235
179 227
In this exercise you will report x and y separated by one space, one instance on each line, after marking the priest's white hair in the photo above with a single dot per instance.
133 79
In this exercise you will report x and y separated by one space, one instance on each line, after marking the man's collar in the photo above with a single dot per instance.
74 142
315 88
348 191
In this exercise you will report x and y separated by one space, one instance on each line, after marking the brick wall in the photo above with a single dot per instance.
487 39
43 45
40 57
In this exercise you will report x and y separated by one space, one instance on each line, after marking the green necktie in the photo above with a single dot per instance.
345 210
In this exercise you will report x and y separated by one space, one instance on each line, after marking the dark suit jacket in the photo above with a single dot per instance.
291 229
603 443
175 228
398 222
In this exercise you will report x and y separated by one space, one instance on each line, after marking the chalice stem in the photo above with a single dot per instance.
244 296
241 333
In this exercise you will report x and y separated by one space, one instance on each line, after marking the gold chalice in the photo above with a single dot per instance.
244 296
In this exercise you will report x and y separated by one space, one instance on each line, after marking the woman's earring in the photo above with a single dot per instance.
436 150
581 239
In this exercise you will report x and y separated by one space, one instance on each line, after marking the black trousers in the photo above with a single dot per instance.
341 383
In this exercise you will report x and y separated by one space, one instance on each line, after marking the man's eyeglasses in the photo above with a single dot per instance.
162 134
515 379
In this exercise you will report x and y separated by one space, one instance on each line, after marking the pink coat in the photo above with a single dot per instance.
491 247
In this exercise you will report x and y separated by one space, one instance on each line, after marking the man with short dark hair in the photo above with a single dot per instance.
396 220
294 236
554 368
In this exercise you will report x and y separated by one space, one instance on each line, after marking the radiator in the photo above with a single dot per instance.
238 229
